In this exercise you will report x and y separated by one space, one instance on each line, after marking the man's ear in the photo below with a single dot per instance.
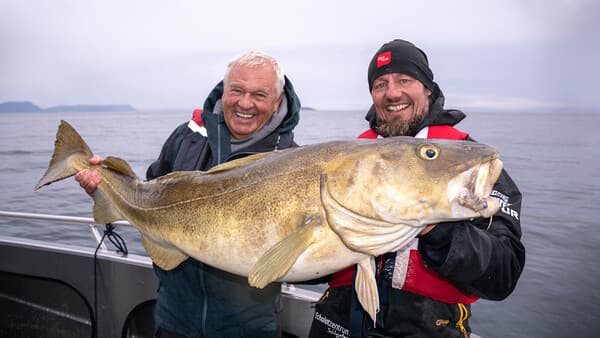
278 100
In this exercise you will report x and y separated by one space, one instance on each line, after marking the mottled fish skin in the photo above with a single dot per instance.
295 214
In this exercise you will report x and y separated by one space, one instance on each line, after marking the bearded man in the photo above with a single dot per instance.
427 287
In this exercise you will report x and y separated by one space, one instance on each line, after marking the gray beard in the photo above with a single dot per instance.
408 128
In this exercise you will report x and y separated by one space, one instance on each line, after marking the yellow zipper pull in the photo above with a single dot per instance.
464 314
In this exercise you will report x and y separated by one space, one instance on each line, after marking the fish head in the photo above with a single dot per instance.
416 182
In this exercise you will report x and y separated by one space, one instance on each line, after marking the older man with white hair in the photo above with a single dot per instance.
253 110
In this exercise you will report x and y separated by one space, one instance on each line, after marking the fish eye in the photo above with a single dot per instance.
429 152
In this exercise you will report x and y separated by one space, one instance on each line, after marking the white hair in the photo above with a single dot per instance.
254 59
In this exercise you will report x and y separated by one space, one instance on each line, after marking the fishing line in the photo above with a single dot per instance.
121 246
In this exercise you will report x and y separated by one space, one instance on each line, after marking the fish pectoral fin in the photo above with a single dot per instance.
104 210
165 258
277 261
366 287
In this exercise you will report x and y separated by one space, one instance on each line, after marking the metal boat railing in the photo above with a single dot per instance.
45 259
52 289
289 289
93 225
65 219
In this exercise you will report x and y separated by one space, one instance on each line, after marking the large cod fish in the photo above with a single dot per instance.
295 214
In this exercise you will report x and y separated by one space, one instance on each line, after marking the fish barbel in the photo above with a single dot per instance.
294 214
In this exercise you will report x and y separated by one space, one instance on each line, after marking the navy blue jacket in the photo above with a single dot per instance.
195 300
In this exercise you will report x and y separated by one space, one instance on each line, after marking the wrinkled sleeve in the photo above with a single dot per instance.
164 163
480 257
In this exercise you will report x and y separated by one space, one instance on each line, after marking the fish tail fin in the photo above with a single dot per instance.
71 154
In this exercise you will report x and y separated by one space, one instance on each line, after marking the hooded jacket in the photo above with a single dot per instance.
480 258
196 300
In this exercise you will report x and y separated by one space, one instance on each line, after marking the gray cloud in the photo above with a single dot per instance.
493 55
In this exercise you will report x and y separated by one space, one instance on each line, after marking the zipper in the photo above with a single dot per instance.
464 315
219 144
277 144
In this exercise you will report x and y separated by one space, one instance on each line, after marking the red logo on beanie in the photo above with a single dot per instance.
384 58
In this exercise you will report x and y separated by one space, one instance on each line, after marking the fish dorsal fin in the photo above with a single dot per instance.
366 287
104 209
237 163
119 165
166 258
369 236
276 262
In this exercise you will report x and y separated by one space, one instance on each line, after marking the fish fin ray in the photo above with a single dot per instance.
119 165
237 163
165 258
104 210
176 175
366 287
277 261
70 155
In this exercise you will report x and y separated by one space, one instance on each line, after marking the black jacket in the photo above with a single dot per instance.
480 258
195 300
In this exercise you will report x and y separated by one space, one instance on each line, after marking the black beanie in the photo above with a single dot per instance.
400 56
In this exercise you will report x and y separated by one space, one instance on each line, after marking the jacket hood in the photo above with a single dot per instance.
437 114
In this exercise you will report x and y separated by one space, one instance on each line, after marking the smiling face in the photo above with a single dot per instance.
401 102
250 98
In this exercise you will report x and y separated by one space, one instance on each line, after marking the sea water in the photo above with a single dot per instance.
554 159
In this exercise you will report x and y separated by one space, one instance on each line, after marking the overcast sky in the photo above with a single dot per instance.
505 55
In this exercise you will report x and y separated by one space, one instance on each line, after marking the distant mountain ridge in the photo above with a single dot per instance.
19 107
29 107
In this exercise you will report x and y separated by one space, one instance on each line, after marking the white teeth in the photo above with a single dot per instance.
244 116
397 108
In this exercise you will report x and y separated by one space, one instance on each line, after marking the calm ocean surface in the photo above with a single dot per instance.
554 159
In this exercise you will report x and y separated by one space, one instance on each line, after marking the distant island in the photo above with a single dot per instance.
29 107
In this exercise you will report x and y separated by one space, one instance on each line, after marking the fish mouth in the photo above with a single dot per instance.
475 188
